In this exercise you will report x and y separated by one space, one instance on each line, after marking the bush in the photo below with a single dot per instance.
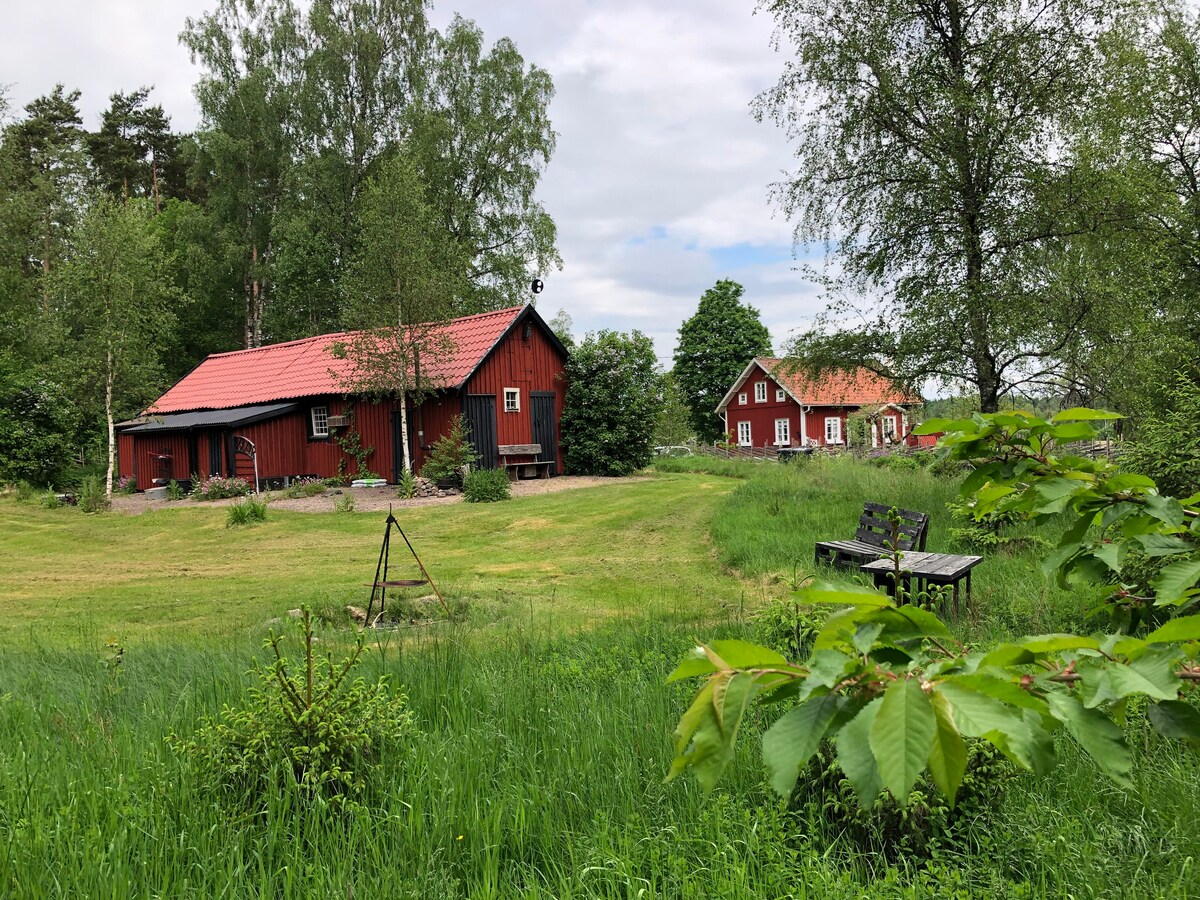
451 452
1167 447
250 511
305 487
126 484
407 488
313 729
487 486
50 499
789 627
344 504
918 829
37 425
175 490
92 497
218 488
614 393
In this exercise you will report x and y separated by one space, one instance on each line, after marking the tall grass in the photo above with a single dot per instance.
537 771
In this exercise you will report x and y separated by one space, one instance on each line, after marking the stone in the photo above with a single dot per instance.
296 613
358 614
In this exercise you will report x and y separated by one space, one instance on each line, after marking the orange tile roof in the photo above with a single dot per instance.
859 387
306 368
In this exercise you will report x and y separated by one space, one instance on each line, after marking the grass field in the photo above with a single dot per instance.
542 718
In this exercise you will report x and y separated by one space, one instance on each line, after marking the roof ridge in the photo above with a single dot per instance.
291 343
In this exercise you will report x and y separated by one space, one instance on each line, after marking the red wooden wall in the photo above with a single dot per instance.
762 416
284 448
528 364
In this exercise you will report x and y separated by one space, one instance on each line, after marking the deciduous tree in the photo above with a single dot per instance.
715 345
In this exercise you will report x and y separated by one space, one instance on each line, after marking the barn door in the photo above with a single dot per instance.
480 413
545 427
215 467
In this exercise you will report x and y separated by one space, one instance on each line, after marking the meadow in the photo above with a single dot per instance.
542 721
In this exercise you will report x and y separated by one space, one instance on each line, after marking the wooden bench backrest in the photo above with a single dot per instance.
875 529
520 449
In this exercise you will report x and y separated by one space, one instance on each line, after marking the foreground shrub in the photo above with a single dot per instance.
314 729
450 453
487 486
406 488
219 488
92 497
250 511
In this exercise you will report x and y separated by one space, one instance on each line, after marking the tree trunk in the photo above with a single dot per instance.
112 434
46 263
404 447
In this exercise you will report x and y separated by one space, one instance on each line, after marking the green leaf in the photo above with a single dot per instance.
1164 544
1150 674
1055 493
697 663
705 736
1096 733
853 744
825 668
936 426
980 715
700 718
1072 431
1174 581
1110 554
1165 509
1056 643
851 594
744 655
1176 719
902 736
1185 628
865 636
925 622
794 738
1083 414
948 758
1128 481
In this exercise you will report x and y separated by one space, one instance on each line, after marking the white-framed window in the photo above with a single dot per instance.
833 430
889 429
320 421
760 392
744 439
742 399
779 395
512 399
783 432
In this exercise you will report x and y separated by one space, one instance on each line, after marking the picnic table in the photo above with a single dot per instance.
927 569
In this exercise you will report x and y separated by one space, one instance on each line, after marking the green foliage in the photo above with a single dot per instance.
715 345
92 496
351 444
451 452
613 399
989 531
305 487
406 489
921 827
789 627
1167 445
37 424
315 729
50 499
487 486
1023 466
250 511
175 490
898 695
219 488
344 504
673 427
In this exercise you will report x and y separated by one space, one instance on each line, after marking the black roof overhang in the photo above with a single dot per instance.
209 418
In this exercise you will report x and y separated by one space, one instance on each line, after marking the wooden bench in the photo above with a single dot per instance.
874 537
529 468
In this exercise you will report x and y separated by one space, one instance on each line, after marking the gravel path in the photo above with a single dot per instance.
365 499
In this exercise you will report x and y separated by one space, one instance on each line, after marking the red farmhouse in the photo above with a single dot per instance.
770 407
502 371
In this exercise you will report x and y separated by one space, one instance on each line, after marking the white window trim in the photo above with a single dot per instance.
780 396
742 399
744 440
760 392
323 430
836 430
894 437
513 394
783 435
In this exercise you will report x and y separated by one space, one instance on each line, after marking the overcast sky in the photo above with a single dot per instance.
660 182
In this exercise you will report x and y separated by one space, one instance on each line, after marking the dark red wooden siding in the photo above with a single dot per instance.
762 416
528 364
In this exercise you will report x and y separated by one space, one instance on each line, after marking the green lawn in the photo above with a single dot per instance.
542 718
638 546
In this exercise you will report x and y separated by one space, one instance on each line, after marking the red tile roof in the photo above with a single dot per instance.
859 387
306 368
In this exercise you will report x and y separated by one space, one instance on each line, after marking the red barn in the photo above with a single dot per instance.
769 406
501 370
